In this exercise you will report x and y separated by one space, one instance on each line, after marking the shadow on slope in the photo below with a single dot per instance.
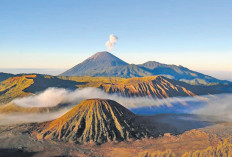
43 82
4 76
15 153
176 123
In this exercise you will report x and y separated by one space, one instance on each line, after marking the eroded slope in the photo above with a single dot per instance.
94 120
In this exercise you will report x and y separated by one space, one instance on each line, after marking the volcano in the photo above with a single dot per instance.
95 65
106 64
94 120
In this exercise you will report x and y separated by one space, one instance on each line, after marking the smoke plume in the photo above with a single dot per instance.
112 41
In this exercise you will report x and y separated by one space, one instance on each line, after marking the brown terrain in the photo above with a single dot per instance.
99 127
97 121
16 140
13 87
21 86
155 87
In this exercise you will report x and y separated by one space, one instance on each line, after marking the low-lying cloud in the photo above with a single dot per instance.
219 106
55 96
18 118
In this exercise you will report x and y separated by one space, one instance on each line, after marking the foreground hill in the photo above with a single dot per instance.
96 120
18 138
108 65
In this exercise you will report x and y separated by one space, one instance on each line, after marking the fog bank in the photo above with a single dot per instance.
54 96
220 106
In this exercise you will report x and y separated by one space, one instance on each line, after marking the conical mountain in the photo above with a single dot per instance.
97 64
96 120
106 64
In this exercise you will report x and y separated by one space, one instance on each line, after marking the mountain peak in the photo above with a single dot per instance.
97 120
106 64
100 54
98 62
106 57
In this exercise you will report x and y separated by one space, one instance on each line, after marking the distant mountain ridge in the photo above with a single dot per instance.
106 64
4 76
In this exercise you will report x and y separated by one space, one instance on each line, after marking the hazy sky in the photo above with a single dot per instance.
59 34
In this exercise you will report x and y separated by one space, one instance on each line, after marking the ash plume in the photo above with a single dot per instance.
111 43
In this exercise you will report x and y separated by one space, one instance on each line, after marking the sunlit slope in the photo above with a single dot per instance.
223 149
13 87
94 120
24 85
152 86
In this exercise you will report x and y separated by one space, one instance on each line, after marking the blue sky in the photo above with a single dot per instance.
59 34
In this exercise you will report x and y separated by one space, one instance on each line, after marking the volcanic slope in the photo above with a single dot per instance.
108 65
150 86
96 121
100 62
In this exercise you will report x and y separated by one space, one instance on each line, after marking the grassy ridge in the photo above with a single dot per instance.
13 87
